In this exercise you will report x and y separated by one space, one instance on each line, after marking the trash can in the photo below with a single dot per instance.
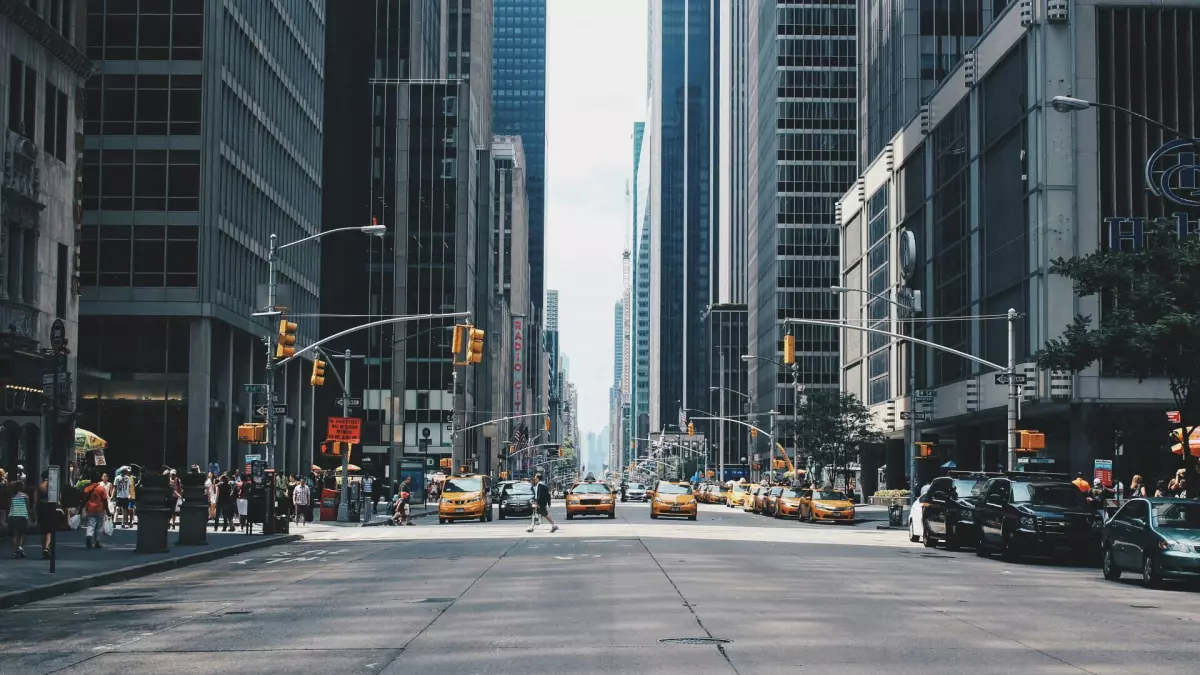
896 515
153 514
193 515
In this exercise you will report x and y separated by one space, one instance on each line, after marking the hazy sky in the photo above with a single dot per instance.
595 91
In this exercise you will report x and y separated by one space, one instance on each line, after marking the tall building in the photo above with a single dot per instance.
198 149
801 159
731 132
681 202
726 340
640 287
978 190
519 109
42 49
554 390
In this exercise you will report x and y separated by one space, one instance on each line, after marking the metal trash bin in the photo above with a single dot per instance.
896 515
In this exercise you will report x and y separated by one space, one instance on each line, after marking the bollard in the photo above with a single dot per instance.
153 515
193 514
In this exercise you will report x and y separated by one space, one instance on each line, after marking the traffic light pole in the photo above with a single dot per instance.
272 283
343 515
721 450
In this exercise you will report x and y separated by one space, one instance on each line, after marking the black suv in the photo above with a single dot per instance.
1036 515
948 509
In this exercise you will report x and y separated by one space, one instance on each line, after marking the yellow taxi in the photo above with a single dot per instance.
714 495
760 499
825 505
590 498
748 501
788 503
673 499
465 498
770 499
737 493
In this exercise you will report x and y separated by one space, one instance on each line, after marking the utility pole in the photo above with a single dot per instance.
721 449
272 281
1012 389
796 391
344 503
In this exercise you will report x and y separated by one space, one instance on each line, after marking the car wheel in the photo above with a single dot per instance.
778 514
1151 572
981 548
570 516
612 514
441 520
691 517
912 535
653 515
930 542
501 514
1109 566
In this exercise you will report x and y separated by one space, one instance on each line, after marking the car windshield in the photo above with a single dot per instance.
637 486
673 489
463 485
1177 516
1047 494
739 488
968 487
526 488
590 489
829 495
790 493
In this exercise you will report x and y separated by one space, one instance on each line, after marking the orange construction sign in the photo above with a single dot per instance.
344 429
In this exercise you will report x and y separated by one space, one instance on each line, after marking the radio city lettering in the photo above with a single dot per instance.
1178 182
518 392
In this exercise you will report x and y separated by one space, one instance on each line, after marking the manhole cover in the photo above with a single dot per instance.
694 641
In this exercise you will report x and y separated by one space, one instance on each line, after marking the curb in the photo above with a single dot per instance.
136 571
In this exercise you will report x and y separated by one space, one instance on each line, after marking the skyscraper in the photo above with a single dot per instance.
519 109
682 202
204 138
802 158
640 267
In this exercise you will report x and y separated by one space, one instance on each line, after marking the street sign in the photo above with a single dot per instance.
1018 378
280 409
925 394
344 429
1173 416
58 334
52 486
352 402
917 415
253 458
49 378
255 388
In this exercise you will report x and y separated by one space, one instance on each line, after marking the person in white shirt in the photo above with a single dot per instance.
124 497
300 498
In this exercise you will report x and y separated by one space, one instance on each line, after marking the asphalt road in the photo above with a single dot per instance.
598 597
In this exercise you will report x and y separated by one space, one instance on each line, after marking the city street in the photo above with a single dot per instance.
599 596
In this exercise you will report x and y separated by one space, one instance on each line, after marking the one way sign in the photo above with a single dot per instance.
1017 378
280 409
917 415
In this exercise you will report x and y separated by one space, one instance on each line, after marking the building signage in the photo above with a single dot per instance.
1103 472
518 363
1178 182
1173 416
907 243
1128 232
344 429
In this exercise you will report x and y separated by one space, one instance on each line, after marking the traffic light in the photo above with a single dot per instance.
789 349
924 449
331 448
457 346
475 346
1031 440
547 424
254 433
754 433
552 452
318 374
446 463
691 429
286 345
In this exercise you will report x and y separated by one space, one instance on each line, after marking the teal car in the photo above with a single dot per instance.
1158 537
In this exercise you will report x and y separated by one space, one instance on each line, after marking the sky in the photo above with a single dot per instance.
595 91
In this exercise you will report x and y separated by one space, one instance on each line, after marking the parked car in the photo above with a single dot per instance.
946 512
1155 536
1035 515
788 503
516 499
770 500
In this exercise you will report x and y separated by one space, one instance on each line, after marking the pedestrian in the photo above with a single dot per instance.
1136 487
368 485
123 488
19 476
541 495
1082 483
243 501
210 492
300 497
108 488
174 496
95 511
226 503
18 515
47 514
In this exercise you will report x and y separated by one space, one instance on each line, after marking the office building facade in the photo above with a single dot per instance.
640 288
802 158
971 199
44 69
726 340
519 109
203 138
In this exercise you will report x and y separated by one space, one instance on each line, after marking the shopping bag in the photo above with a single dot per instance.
108 527
73 522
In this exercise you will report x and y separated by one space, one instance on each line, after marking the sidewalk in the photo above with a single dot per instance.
77 567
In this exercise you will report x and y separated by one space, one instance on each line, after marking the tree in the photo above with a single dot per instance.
833 427
1153 325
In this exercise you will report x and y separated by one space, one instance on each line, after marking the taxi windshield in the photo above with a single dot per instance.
673 489
590 489
739 488
791 493
829 495
463 485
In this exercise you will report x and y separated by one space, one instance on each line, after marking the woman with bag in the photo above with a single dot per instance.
95 509
48 518
18 515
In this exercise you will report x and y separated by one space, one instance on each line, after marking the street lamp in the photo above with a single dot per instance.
1069 104
272 285
911 429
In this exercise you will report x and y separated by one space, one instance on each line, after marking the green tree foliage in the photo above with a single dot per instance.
1153 326
833 427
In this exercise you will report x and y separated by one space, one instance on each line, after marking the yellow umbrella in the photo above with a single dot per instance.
1193 442
86 440
352 467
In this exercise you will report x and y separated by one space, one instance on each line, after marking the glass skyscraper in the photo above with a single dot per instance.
519 109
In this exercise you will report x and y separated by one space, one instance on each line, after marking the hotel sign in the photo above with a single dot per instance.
518 363
1172 172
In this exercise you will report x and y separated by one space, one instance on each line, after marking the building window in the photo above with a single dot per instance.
22 98
878 309
951 242
63 281
54 127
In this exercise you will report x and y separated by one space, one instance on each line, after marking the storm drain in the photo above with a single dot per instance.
694 641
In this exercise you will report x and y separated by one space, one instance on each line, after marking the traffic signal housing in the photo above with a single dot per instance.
475 346
1031 441
254 433
691 429
318 374
547 424
924 450
286 342
789 349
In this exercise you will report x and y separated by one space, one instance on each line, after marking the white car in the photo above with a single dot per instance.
916 522
635 492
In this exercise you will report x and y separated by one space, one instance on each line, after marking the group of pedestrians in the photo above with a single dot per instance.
1177 487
